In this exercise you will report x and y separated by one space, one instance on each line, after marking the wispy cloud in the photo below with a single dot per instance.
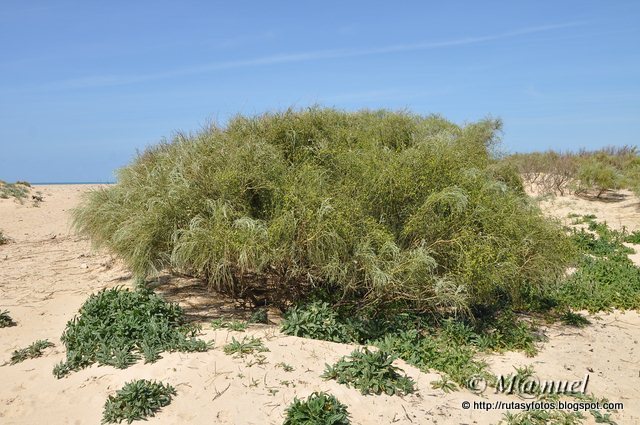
316 55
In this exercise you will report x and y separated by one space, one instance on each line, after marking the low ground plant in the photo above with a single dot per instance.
319 408
117 326
247 345
137 400
5 319
232 325
31 352
372 372
605 277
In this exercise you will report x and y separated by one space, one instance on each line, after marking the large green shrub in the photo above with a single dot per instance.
382 208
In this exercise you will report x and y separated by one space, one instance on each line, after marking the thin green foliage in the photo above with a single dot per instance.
137 400
18 190
542 417
31 352
372 372
319 408
247 345
116 326
385 208
232 325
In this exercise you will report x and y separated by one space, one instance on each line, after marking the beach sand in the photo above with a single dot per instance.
47 272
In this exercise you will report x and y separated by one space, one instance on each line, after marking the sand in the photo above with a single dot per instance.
47 272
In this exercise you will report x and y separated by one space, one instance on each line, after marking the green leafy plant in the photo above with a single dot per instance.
137 400
31 352
633 237
372 372
115 326
316 320
6 320
318 409
444 384
286 367
248 345
233 325
542 417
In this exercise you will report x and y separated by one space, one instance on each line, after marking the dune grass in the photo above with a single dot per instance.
18 190
382 209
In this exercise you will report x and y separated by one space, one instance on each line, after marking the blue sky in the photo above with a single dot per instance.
85 84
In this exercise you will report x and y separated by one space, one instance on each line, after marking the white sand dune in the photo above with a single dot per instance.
46 273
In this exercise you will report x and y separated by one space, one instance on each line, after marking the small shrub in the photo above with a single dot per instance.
115 325
286 367
259 316
14 190
6 320
316 320
233 325
444 384
434 352
318 409
31 352
246 346
137 400
3 238
633 237
371 373
596 175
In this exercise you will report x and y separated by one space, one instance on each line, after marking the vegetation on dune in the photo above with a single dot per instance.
116 326
584 172
31 352
605 277
18 190
317 409
137 400
4 239
381 209
5 319
372 372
